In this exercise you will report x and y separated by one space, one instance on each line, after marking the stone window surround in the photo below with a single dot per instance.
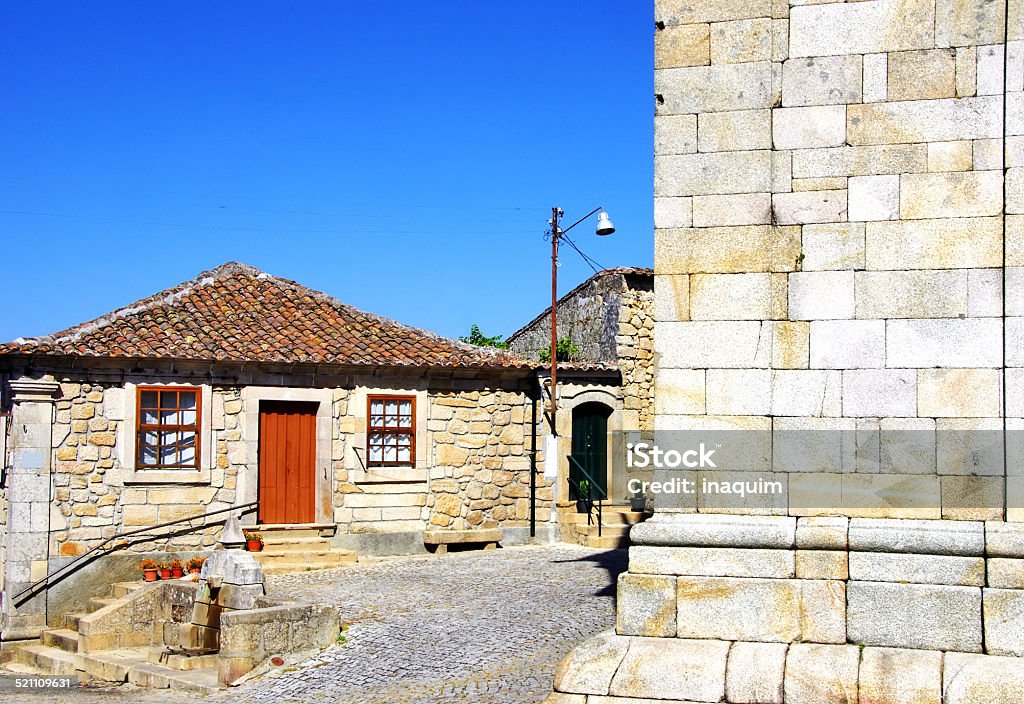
355 454
248 476
127 441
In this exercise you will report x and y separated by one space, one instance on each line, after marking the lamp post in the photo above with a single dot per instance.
604 227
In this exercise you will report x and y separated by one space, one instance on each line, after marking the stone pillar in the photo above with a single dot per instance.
28 495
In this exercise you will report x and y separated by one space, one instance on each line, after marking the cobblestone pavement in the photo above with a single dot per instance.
480 627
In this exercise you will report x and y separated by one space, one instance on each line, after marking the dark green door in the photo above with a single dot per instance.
590 447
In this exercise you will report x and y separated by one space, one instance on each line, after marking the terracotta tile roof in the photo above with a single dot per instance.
238 313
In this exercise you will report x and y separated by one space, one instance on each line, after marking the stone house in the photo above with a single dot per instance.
241 389
839 228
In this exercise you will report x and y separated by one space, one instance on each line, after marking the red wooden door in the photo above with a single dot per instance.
287 462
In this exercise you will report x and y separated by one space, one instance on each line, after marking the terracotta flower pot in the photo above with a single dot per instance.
253 545
149 575
176 572
165 573
195 570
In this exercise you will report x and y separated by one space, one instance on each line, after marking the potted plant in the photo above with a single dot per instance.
165 570
582 500
253 541
195 565
176 568
149 569
638 502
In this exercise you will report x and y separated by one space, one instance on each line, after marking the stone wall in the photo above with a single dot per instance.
834 232
634 343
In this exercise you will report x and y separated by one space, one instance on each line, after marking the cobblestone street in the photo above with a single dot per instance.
487 627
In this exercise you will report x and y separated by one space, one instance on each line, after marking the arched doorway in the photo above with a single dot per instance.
590 447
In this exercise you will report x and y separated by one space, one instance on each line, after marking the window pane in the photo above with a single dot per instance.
405 421
148 399
150 417
376 421
168 417
404 441
376 449
147 454
188 417
187 399
403 454
376 407
391 408
168 455
390 454
187 445
168 399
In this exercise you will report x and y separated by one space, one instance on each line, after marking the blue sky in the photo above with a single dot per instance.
401 156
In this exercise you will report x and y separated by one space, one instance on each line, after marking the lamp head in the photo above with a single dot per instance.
604 224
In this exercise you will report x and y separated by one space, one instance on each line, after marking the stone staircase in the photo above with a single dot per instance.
60 652
287 549
616 522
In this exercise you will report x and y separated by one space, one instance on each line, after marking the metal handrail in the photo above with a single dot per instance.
591 483
35 585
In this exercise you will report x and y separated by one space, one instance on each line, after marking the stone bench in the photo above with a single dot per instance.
441 539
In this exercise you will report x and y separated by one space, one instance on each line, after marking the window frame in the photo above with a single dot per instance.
140 427
372 429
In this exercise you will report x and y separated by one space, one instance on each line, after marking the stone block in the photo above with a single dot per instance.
809 207
985 292
968 22
754 674
822 80
921 75
973 498
966 71
673 12
971 342
752 248
911 294
900 676
914 121
741 41
822 564
1004 622
821 295
805 392
951 156
672 298
716 530
822 532
714 173
1004 539
675 134
790 345
740 392
1005 573
682 45
875 393
711 562
761 610
847 344
917 569
925 616
907 445
737 296
743 209
861 28
912 536
646 605
809 127
821 674
958 393
679 391
722 88
673 212
982 679
951 195
874 197
833 246
737 130
954 243
660 668
876 77
836 162
590 666
710 344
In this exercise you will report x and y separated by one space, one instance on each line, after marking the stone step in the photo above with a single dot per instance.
284 567
20 668
295 544
71 620
202 681
183 662
64 638
120 589
313 554
98 602
605 542
616 529
49 659
113 665
301 531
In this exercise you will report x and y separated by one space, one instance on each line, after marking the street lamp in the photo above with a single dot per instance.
604 227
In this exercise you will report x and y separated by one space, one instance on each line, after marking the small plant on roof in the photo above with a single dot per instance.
565 351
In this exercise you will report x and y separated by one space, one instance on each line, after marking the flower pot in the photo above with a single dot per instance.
253 545
165 573
176 572
581 506
195 570
638 504
149 575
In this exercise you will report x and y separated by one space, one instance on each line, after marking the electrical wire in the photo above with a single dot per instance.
589 260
